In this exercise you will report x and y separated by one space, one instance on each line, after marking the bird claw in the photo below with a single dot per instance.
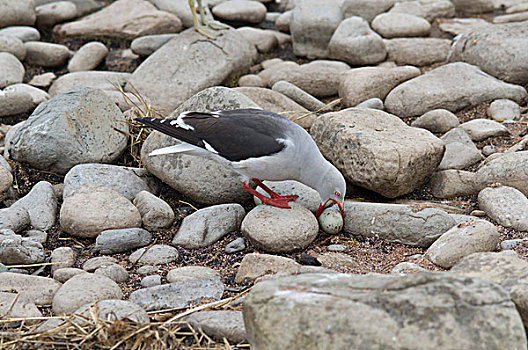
281 202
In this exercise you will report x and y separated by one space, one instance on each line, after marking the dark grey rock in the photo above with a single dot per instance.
121 240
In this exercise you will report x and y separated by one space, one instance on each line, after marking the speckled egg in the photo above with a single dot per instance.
331 221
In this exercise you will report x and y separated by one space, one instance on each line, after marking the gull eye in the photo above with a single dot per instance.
337 193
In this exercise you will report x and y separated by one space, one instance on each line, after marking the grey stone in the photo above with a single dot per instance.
180 9
387 156
82 289
206 226
41 204
17 13
48 141
24 33
460 151
89 56
6 178
251 80
146 270
146 45
16 219
13 45
151 281
428 9
55 12
374 103
481 129
360 84
462 240
312 25
94 208
405 268
122 19
339 248
155 212
15 250
39 290
37 95
154 255
13 305
187 174
97 79
308 197
417 51
37 236
255 265
509 244
456 26
63 257
336 260
514 17
453 86
355 43
219 324
505 205
14 102
406 224
298 95
280 230
394 25
368 9
121 240
264 41
244 11
508 169
178 294
64 274
93 264
11 70
437 120
453 183
128 181
283 22
314 310
170 76
115 272
44 54
186 273
43 80
504 110
235 246
499 50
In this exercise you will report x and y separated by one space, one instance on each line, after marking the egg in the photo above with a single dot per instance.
331 221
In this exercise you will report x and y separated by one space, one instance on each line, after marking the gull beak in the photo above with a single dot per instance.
326 204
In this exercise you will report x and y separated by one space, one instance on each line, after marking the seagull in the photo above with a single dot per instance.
202 25
258 145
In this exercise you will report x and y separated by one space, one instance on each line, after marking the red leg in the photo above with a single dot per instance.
279 202
291 197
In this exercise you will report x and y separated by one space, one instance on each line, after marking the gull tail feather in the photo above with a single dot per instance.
181 148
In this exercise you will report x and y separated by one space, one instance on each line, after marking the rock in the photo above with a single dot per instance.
146 45
151 281
283 22
97 79
514 17
48 141
146 270
336 260
394 25
508 169
307 196
405 268
502 109
280 230
187 273
94 208
355 43
154 255
456 26
187 174
429 9
170 75
37 235
88 57
437 120
41 204
298 95
462 240
178 294
128 181
360 84
251 80
43 80
11 70
13 45
17 13
318 78
82 289
46 54
374 103
312 25
121 240
314 310
387 156
235 246
406 224
55 12
505 205
219 324
417 51
453 86
481 129
13 102
508 244
339 248
255 265
6 179
93 264
155 212
17 250
497 49
123 19
64 257
368 9
16 219
453 183
14 305
244 11
208 225
37 96
115 272
460 151
23 33
180 9
264 41
39 290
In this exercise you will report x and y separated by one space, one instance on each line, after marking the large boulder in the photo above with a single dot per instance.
417 311
378 151
172 74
